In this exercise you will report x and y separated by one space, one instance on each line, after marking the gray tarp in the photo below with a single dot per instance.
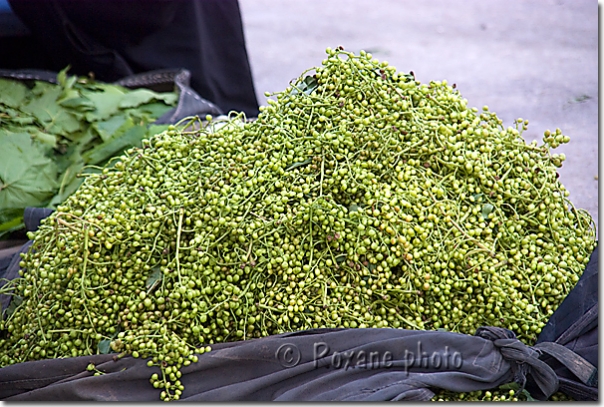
343 364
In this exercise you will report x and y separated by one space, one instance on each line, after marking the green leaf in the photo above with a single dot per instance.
528 395
27 176
87 140
62 76
12 93
51 115
81 104
104 346
307 85
10 227
299 164
131 138
63 123
141 96
354 208
70 82
486 210
74 100
510 386
106 102
41 87
341 258
310 84
477 197
149 111
154 278
154 129
23 120
15 301
113 127
44 107
10 220
70 182
7 215
45 138
82 135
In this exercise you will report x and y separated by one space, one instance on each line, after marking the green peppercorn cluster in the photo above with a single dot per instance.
359 197
492 395
500 394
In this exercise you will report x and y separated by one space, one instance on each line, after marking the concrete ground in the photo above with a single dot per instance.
535 59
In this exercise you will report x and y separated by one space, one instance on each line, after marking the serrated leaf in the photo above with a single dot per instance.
12 226
8 112
23 120
66 82
298 164
104 346
477 196
310 84
45 138
528 395
53 117
150 111
10 219
154 129
341 258
113 127
74 100
486 210
70 82
80 104
81 136
68 94
154 278
27 176
15 301
142 96
354 208
41 87
69 183
307 85
73 123
62 76
63 123
106 102
87 140
101 153
12 93
510 386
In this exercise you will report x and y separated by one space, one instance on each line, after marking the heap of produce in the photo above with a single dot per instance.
359 197
49 132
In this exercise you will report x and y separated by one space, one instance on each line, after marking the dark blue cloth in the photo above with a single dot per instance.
574 325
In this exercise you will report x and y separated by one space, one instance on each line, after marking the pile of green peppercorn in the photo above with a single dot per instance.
359 197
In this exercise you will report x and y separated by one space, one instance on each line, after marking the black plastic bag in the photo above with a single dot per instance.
121 38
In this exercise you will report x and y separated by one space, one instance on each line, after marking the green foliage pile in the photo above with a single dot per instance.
49 132
360 197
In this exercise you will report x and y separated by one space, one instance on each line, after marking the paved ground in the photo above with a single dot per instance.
535 59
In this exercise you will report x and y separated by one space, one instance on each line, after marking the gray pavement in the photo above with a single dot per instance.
535 59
